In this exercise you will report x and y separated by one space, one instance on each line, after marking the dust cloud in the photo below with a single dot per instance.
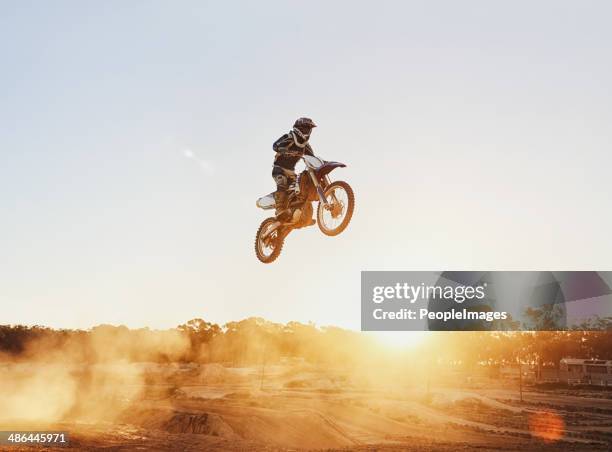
91 377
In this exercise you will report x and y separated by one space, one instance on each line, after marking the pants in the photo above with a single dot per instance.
283 178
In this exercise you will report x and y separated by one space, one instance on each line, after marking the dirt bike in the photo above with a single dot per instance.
334 212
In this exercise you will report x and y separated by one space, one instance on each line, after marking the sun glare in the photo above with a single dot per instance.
401 339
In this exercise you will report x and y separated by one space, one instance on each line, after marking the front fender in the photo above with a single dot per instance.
328 167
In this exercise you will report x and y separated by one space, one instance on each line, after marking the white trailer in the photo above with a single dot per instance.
586 371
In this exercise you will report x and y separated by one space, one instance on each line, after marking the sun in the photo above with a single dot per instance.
400 339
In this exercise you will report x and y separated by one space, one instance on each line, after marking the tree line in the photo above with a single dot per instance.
255 340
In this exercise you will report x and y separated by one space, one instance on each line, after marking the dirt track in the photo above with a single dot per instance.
216 408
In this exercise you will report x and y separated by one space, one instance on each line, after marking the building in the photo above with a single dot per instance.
585 371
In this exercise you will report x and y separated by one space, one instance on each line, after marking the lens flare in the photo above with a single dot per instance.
546 425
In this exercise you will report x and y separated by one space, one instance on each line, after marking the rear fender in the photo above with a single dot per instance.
266 202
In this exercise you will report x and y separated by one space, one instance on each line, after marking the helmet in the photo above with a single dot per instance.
304 124
301 130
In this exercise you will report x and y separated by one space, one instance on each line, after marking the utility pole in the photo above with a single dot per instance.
429 378
263 369
520 379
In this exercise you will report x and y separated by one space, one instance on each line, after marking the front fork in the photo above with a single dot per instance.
317 185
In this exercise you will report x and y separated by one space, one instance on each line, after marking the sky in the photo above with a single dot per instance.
136 136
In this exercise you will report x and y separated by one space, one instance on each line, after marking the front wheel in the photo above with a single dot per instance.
268 245
334 217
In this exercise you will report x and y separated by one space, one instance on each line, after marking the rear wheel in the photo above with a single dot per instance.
334 217
268 245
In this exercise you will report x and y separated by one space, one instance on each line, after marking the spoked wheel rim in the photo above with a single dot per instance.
268 244
335 211
335 216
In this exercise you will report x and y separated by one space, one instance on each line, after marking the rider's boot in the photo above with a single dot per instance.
280 199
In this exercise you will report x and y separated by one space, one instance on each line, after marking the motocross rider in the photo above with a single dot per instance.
289 148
